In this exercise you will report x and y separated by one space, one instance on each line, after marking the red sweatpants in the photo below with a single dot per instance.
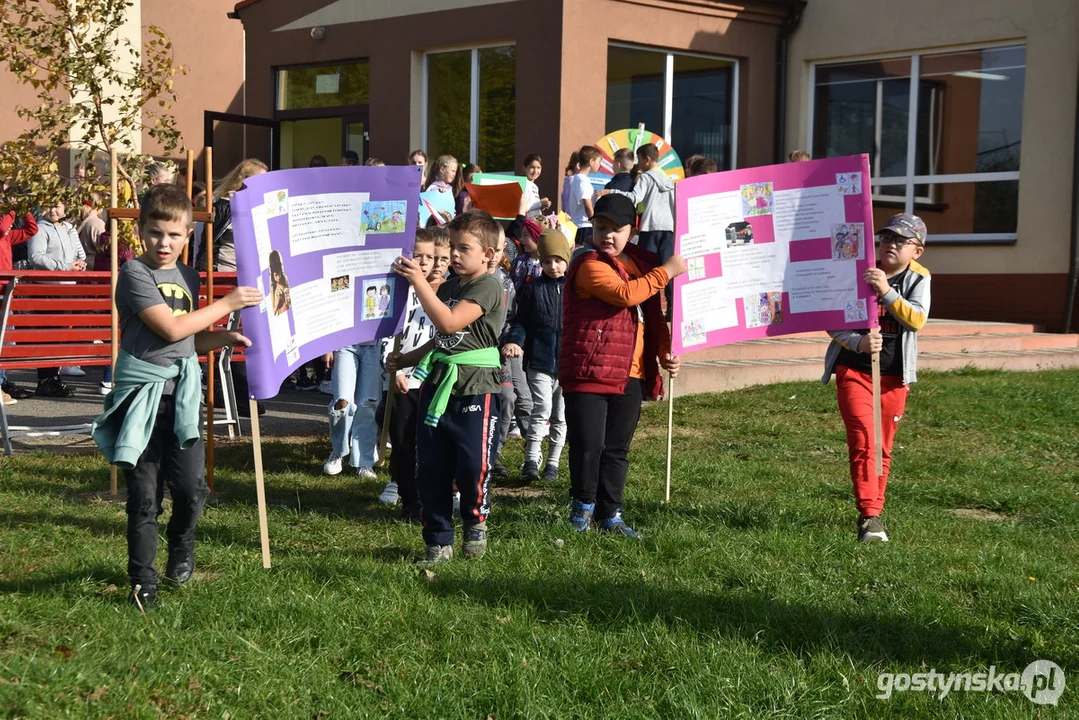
855 394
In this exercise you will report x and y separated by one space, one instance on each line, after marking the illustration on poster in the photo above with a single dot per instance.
280 297
693 333
378 298
847 241
276 202
695 268
756 199
764 308
849 183
384 218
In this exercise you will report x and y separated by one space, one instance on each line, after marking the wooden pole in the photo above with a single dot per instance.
670 435
878 435
260 487
210 299
189 185
113 262
383 456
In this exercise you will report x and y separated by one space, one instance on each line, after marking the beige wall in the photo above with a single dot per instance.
850 29
211 46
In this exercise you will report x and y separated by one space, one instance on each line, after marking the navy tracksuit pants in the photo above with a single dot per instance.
464 446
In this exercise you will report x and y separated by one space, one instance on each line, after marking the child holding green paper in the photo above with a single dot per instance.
458 413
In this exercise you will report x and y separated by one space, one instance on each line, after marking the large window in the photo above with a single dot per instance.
689 99
322 86
470 106
945 146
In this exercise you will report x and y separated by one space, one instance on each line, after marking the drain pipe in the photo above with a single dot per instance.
795 9
1073 272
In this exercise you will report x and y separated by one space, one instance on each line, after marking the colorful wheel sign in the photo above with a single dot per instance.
633 138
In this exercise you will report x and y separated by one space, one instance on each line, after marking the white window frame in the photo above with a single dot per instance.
474 95
909 180
668 89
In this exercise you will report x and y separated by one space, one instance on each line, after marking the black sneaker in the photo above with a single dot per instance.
530 470
550 472
17 392
475 544
306 383
53 387
181 566
871 529
499 471
143 597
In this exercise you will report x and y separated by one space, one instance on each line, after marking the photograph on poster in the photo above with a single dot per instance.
340 283
756 199
280 299
739 233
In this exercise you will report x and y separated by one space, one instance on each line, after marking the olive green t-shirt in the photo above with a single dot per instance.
486 292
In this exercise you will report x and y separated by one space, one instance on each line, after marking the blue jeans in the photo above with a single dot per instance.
357 387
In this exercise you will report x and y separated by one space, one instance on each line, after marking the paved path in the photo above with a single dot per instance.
291 413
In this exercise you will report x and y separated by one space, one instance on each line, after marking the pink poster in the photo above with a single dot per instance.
773 250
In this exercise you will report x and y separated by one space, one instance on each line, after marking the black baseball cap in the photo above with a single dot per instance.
619 209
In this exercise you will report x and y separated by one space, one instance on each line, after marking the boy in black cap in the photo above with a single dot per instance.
614 342
536 335
902 287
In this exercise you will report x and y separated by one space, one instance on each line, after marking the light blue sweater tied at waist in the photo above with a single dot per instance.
123 430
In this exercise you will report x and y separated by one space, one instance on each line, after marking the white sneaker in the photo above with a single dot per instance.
72 371
326 387
365 473
456 502
333 464
389 496
104 387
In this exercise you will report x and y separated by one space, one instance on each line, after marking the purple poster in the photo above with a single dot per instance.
319 243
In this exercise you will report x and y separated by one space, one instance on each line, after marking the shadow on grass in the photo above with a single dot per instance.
872 636
103 575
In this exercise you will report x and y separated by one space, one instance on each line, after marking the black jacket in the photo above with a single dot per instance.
536 324
622 181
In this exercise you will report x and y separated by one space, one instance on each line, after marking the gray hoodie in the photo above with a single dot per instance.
655 189
55 246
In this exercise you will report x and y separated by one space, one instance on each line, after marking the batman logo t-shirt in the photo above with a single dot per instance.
140 287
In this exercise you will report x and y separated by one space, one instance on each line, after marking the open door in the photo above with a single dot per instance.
236 137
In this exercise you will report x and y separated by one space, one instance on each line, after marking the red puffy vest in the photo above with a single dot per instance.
598 339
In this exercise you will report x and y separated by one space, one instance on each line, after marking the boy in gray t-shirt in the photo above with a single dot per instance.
162 331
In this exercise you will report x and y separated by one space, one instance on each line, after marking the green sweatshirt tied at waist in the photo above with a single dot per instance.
123 429
482 358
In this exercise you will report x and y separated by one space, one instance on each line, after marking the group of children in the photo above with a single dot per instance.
587 326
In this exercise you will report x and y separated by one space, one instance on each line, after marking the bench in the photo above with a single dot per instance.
52 319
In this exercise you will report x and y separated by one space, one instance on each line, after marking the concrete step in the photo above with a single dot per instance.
723 375
814 346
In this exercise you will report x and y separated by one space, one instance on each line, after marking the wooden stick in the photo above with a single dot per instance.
209 355
113 262
260 487
670 435
189 184
878 434
383 456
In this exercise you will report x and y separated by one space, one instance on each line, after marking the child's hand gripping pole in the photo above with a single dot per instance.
878 435
383 456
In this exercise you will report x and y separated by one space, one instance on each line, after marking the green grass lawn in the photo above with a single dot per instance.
748 597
